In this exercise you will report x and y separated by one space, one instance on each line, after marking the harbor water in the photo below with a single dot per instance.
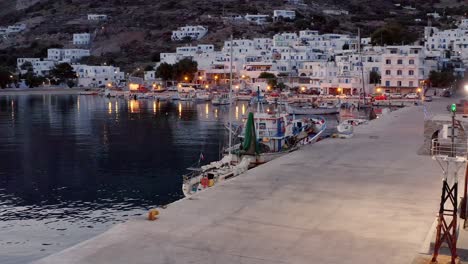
72 166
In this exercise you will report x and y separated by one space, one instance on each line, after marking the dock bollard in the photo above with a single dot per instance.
153 214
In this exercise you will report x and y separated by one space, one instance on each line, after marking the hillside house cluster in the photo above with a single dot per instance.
12 30
327 63
81 39
87 76
189 32
450 44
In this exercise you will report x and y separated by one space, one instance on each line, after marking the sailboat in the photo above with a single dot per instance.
207 176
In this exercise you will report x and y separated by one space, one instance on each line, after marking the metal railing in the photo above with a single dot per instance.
444 148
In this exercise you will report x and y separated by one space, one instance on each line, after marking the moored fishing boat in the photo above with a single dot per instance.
221 99
325 108
277 135
202 96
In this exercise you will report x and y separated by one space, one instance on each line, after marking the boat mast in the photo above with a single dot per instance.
362 68
230 98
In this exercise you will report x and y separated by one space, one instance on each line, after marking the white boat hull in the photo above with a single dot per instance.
293 110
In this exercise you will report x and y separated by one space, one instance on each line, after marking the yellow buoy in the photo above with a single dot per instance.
211 183
153 214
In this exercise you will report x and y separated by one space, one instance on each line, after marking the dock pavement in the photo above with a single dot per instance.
368 199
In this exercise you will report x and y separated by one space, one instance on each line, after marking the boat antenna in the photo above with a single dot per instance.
230 97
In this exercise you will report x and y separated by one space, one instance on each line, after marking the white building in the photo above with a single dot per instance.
39 66
434 15
257 19
97 76
284 14
16 28
190 32
81 39
97 17
150 76
69 55
463 24
335 12
21 61
11 30
402 68
450 41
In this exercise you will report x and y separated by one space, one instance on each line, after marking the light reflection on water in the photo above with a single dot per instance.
75 162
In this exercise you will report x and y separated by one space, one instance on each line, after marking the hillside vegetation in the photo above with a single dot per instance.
138 30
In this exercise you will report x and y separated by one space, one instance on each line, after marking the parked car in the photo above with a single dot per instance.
379 97
446 93
412 96
428 99
396 96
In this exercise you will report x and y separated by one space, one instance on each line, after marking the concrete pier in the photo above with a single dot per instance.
368 199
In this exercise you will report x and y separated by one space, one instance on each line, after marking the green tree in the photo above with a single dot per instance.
441 79
392 33
149 68
165 71
185 68
281 86
63 72
5 78
374 77
27 66
32 80
267 75
270 77
302 24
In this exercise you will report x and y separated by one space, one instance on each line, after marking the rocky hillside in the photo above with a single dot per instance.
139 29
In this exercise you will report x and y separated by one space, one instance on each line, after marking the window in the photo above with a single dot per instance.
411 72
399 72
387 83
411 84
411 62
388 72
388 61
400 61
399 83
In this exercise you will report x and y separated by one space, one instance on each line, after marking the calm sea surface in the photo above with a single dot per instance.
71 166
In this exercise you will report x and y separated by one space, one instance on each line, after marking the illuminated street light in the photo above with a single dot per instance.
466 87
303 89
186 78
216 77
378 90
206 86
419 90
268 87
